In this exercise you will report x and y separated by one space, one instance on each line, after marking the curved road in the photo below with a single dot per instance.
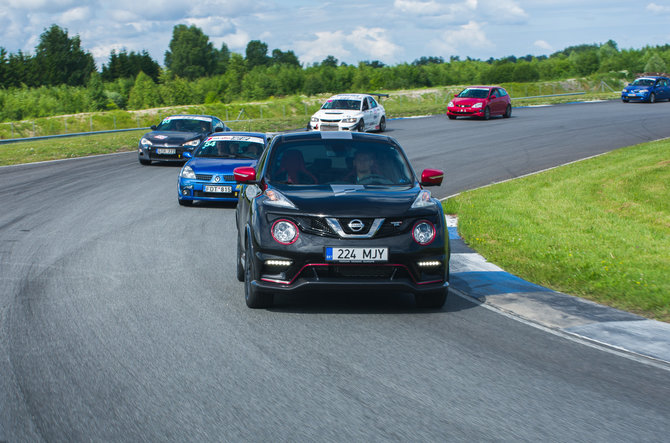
121 318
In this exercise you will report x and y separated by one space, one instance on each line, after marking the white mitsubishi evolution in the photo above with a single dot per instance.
350 112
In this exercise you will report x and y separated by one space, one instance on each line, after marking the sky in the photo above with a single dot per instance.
390 31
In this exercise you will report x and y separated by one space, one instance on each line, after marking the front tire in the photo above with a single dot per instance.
255 298
240 266
487 113
451 117
652 98
185 202
361 126
508 112
431 300
145 162
382 124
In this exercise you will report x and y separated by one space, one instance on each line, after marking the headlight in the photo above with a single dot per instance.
187 172
314 120
423 200
423 232
192 143
477 105
145 142
276 198
285 232
450 105
349 120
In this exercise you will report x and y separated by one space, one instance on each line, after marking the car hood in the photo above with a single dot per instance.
337 113
466 101
352 200
202 165
171 137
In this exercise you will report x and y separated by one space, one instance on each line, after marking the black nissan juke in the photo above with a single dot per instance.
339 211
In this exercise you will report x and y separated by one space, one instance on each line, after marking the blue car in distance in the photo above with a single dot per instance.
208 174
647 89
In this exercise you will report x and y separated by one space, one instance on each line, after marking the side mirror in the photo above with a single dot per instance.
432 177
245 174
187 154
153 127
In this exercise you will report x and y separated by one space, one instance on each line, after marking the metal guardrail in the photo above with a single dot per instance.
73 134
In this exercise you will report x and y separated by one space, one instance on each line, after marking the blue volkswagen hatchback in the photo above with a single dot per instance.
647 89
208 174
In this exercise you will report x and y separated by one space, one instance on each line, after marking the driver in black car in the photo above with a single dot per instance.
364 166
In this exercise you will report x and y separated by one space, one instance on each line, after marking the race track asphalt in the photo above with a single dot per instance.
121 318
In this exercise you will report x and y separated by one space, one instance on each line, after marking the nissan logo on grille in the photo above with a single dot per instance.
356 225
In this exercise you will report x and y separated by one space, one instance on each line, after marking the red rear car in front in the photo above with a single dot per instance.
480 101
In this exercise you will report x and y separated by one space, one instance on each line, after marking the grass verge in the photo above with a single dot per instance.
599 229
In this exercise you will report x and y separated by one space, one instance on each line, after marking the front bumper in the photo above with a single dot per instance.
635 96
302 266
332 126
152 153
194 190
465 111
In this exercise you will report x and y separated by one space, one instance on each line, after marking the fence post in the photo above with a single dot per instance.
90 123
226 114
34 133
12 124
261 108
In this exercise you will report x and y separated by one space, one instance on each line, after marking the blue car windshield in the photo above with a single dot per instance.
351 105
229 149
339 162
474 93
644 82
184 125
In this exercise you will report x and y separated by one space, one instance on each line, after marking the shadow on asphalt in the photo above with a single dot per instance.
361 303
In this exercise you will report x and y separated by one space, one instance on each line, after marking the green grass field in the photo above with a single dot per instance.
599 228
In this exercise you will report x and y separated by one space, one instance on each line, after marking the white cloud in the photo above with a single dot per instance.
77 14
326 43
468 36
374 42
543 45
658 9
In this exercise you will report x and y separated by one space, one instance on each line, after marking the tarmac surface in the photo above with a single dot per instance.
473 277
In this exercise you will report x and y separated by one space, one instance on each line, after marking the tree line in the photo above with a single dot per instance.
61 77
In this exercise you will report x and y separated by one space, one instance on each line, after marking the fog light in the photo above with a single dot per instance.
184 191
278 263
429 263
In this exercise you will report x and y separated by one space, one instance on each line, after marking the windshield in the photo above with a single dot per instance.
644 82
474 93
351 105
339 162
231 147
183 124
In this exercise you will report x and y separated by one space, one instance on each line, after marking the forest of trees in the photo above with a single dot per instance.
61 77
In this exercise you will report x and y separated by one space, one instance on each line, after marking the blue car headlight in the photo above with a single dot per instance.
187 172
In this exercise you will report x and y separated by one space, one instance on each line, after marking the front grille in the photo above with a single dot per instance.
205 177
362 272
329 128
316 226
214 194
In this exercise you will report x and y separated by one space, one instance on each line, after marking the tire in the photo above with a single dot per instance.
451 117
625 101
185 202
431 300
361 126
382 124
240 266
508 112
255 298
652 98
487 113
145 162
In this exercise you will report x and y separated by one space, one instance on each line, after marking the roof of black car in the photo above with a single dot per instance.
325 135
